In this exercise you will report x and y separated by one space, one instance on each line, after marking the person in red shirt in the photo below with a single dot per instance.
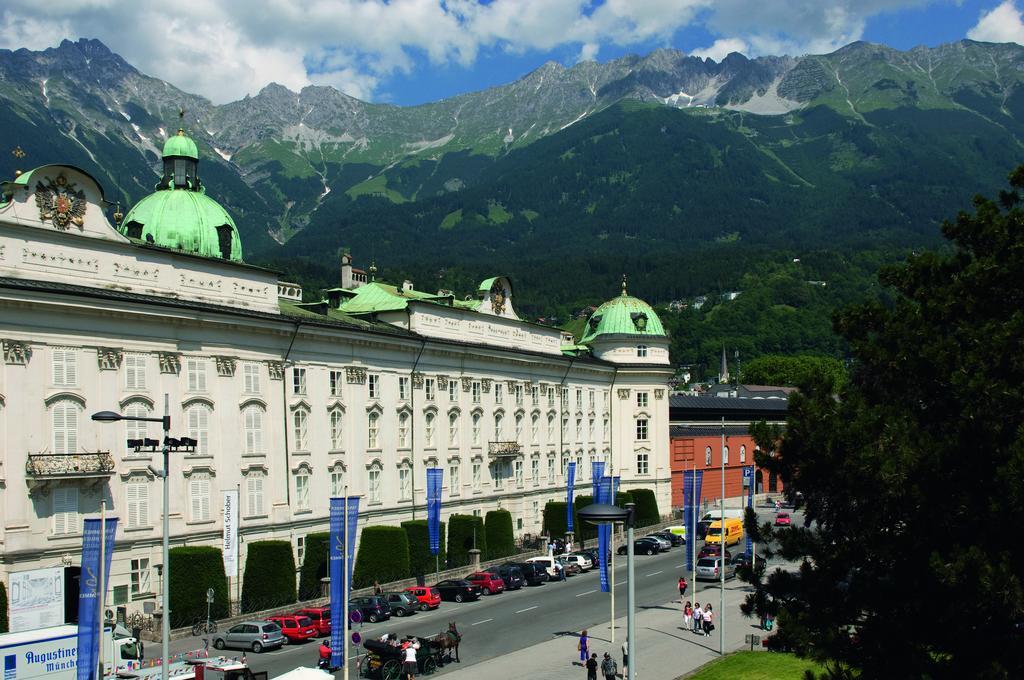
325 654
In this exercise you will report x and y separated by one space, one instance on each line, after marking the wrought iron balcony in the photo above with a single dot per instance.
503 449
42 466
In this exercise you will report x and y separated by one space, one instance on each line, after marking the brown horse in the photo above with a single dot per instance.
449 640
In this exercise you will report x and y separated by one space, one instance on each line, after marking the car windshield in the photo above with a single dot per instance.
305 621
714 531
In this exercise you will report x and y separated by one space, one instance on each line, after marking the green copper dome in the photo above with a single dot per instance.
623 315
181 145
184 220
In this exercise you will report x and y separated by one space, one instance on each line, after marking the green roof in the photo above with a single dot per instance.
383 297
623 315
181 145
182 220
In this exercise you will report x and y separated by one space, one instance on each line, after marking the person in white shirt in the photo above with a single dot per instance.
698 616
410 647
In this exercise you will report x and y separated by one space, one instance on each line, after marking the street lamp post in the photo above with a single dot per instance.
165 421
602 513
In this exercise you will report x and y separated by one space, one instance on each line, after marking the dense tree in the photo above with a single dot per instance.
911 475
773 369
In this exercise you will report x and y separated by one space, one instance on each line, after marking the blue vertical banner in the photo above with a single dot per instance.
748 477
353 527
596 475
571 474
90 600
604 532
435 477
692 482
335 560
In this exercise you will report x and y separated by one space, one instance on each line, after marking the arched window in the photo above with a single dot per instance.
498 418
743 453
197 420
337 421
64 416
707 456
337 480
300 426
252 417
302 479
519 427
372 420
551 428
254 493
428 429
373 484
535 429
134 429
453 429
476 429
725 455
403 430
404 482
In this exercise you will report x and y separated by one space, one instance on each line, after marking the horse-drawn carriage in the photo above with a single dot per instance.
384 659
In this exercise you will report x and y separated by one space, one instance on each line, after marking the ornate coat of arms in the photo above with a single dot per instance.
60 202
498 298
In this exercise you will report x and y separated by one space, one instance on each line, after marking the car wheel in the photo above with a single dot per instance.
218 644
372 618
257 647
399 612
650 551
458 597
424 606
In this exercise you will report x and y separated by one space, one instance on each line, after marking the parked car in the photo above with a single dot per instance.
665 543
254 635
707 569
674 539
321 618
782 519
581 560
547 563
373 609
571 568
458 590
533 574
429 598
511 575
592 554
713 550
492 584
744 560
295 628
642 546
401 603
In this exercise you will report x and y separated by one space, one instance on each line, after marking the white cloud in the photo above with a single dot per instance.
1002 24
588 52
721 48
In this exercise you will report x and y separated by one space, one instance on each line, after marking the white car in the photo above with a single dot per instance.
582 561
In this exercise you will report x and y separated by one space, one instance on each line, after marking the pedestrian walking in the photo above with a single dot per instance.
682 588
592 667
583 647
609 668
688 616
377 590
698 615
709 620
625 657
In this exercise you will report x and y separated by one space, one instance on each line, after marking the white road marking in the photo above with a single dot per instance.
479 622
527 609
621 583
654 573
586 593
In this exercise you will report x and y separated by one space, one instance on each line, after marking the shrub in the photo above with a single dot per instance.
3 608
461 532
554 519
500 537
191 571
383 556
269 576
646 507
584 530
314 565
421 560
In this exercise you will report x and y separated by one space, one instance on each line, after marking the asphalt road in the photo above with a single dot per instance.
498 624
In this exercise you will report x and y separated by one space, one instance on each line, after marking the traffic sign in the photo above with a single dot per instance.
355 616
356 638
209 595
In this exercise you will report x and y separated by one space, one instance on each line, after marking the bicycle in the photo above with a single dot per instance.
201 627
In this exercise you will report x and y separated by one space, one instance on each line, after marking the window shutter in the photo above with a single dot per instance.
206 499
65 511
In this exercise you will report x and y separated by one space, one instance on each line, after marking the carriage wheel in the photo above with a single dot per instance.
391 670
429 666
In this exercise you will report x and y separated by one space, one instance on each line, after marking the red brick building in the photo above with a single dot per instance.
695 440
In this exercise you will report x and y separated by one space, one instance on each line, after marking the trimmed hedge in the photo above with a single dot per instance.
501 540
585 531
314 565
554 519
421 560
461 531
269 576
3 608
191 570
646 507
383 556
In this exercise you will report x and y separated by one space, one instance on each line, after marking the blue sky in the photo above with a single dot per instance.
413 51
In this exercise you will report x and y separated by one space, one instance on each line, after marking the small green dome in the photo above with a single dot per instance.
184 220
181 145
623 315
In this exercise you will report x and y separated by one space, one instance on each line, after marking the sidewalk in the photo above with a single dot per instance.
666 651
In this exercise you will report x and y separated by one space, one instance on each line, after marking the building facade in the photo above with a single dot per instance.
290 403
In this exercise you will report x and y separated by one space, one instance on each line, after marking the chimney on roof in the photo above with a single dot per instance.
406 286
346 271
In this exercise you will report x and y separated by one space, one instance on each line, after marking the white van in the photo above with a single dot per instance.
730 513
549 564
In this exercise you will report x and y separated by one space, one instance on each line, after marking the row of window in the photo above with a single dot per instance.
725 455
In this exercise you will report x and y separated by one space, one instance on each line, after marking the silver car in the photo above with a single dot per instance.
663 542
707 569
254 635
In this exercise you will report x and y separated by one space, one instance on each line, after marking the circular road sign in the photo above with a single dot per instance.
355 616
356 638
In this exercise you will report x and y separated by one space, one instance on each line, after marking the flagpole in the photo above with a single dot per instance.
611 575
721 545
102 582
344 594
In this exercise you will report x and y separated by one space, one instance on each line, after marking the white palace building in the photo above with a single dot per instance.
288 402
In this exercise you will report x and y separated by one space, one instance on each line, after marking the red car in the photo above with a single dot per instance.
489 583
321 618
295 628
782 519
713 550
429 598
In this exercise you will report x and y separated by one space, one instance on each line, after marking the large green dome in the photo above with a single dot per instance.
184 220
623 315
181 145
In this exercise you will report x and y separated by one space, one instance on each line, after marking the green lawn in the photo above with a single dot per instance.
755 666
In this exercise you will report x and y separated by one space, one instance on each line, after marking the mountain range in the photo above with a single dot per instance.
680 169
